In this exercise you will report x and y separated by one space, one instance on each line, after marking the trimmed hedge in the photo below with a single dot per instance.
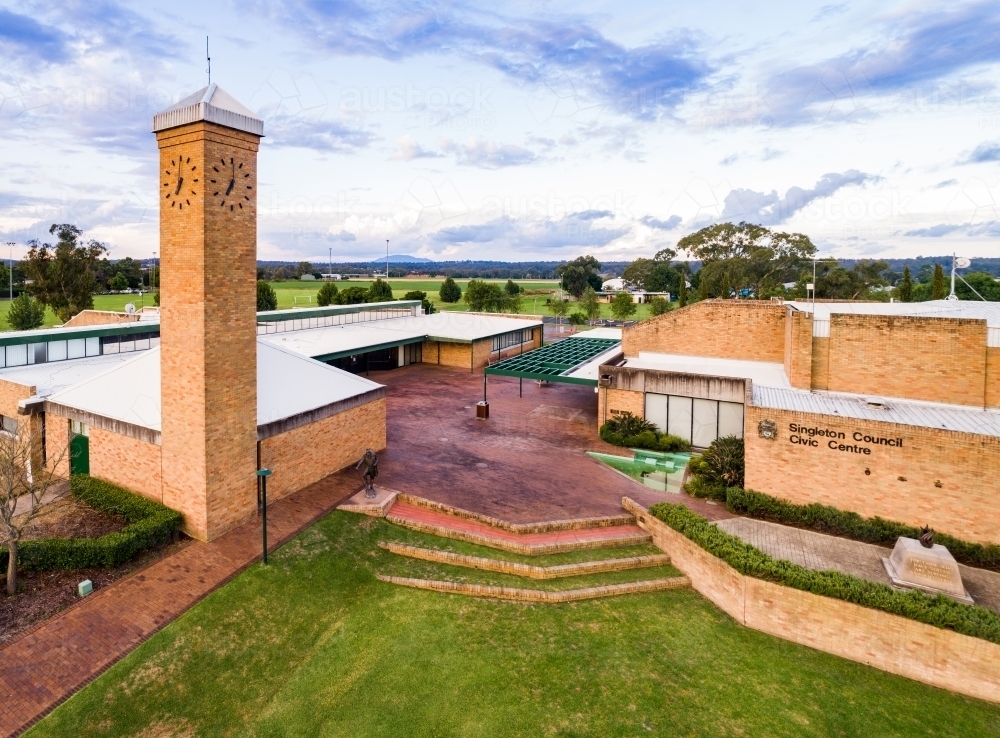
150 524
939 611
825 519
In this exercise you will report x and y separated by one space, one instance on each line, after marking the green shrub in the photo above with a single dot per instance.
450 292
939 611
26 313
723 462
149 524
830 520
634 432
327 294
380 291
267 298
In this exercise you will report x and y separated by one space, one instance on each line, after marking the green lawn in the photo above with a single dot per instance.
314 645
101 302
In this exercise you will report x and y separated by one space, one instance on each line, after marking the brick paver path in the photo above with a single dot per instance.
50 662
819 552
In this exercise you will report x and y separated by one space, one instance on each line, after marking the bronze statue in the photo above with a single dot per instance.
370 462
926 537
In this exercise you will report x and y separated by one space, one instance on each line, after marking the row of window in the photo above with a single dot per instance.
515 338
697 421
325 321
75 348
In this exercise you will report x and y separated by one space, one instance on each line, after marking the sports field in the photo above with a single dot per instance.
315 645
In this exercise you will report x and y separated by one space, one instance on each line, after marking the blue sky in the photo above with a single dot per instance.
521 130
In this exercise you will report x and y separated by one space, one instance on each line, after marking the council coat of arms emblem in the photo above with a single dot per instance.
767 429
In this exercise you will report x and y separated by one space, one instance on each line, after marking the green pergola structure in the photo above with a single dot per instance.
553 363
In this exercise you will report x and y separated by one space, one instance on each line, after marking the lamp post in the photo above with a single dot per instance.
262 475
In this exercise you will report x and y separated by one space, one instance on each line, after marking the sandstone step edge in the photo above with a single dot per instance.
605 521
537 595
527 549
528 571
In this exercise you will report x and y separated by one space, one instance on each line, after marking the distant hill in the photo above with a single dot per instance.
401 259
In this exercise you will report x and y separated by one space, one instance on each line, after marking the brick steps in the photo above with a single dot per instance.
536 595
528 571
445 525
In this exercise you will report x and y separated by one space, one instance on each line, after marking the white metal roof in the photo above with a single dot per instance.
759 372
361 337
592 369
288 384
54 376
212 104
974 309
615 333
905 412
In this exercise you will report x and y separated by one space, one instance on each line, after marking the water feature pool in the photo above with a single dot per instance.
663 472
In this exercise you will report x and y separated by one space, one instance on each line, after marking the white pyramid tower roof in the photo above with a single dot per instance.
212 104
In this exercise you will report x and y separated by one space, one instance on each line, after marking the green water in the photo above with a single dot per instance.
663 472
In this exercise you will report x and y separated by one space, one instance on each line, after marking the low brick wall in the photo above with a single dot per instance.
941 658
537 595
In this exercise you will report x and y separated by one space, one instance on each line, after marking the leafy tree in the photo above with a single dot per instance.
25 487
450 292
590 304
861 282
725 289
489 297
938 290
983 283
658 306
559 307
755 259
380 291
925 274
653 275
682 292
327 294
512 288
906 288
119 282
352 295
426 304
25 313
63 275
132 270
577 318
267 298
623 306
702 287
156 298
303 267
577 274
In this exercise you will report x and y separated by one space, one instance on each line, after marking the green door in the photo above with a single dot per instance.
79 454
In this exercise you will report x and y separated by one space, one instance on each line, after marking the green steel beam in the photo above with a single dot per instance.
553 362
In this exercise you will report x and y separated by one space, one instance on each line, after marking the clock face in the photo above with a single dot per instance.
181 177
230 187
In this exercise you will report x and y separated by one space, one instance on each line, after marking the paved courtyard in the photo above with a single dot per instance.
525 464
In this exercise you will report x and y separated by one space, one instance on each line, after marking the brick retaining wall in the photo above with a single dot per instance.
941 658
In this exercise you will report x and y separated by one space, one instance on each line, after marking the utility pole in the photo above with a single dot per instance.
10 270
387 260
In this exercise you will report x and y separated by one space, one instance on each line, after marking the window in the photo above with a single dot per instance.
79 429
8 425
695 420
515 338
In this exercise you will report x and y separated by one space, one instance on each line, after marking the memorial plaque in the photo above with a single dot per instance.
931 569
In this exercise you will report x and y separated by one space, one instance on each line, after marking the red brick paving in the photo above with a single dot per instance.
524 464
416 514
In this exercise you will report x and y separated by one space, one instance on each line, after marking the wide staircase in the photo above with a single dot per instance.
450 550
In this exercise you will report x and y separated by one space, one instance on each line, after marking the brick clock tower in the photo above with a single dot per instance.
208 338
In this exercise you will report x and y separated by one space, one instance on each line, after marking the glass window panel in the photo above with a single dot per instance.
36 353
94 346
706 422
17 355
141 343
109 345
154 341
731 419
126 343
57 350
3 356
679 417
656 410
76 348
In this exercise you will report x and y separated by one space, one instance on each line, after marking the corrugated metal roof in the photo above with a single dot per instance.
904 412
288 384
212 104
54 376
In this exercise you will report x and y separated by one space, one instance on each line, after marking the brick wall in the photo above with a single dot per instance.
993 377
57 444
935 359
620 400
127 462
798 348
935 656
821 363
208 326
99 317
449 354
10 394
308 453
966 466
727 329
